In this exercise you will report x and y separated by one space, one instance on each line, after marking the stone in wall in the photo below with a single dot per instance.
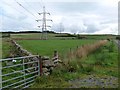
48 63
45 70
47 73
45 58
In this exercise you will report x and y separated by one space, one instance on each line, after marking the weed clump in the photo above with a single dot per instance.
111 47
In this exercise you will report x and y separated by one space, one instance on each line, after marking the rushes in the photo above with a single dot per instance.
84 50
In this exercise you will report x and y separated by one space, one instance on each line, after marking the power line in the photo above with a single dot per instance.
13 7
42 4
44 15
22 28
25 8
11 18
29 5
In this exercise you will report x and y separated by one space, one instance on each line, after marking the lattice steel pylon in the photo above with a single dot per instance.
44 26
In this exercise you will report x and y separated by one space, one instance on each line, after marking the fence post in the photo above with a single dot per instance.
40 66
55 53
55 56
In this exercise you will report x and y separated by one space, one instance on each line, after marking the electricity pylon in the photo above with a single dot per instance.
44 26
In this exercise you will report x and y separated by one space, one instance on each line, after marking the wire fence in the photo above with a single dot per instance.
19 72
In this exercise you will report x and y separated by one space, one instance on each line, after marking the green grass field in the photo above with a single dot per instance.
47 47
54 36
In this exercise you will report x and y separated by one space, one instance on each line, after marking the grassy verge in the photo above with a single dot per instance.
104 61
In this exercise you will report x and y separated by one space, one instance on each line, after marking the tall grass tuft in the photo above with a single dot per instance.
111 47
87 69
84 50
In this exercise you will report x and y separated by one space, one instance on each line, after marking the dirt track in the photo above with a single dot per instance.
93 81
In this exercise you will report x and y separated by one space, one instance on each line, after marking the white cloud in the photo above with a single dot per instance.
109 29
91 17
110 3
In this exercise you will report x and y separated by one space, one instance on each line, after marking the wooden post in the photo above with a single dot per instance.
40 66
55 56
55 53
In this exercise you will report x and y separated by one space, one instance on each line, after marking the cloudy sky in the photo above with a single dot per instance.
72 16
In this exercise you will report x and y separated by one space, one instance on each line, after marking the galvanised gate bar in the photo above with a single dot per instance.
19 72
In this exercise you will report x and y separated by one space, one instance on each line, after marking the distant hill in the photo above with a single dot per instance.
27 32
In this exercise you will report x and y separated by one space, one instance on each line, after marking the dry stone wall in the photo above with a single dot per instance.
47 64
20 50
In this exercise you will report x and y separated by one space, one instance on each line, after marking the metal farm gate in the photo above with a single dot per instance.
19 72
